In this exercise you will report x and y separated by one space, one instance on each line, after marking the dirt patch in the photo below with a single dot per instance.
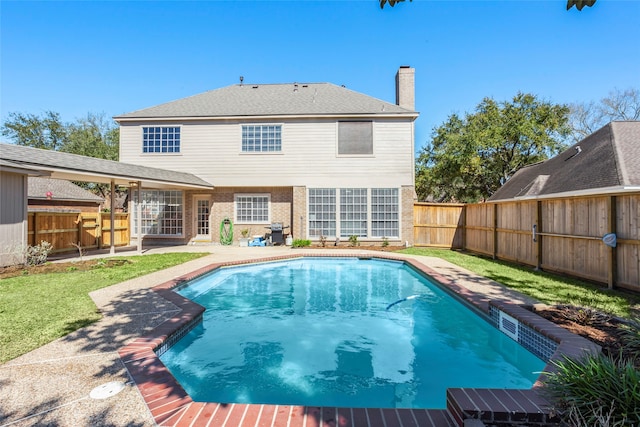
60 267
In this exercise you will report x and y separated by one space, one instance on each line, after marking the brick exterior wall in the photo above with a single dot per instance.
288 206
223 207
407 198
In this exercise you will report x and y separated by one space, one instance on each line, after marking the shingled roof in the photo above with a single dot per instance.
291 99
607 160
60 189
82 168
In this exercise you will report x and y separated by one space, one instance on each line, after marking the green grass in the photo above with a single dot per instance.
545 287
37 309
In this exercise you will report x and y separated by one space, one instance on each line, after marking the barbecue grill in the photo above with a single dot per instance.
277 237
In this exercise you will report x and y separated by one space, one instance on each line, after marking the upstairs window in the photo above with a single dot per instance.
160 139
355 138
261 138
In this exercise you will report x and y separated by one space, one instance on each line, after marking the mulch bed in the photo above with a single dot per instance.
606 331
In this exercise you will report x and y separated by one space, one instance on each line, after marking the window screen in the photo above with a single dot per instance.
355 138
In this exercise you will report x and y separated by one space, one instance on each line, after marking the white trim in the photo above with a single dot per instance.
262 153
196 199
235 207
160 153
371 116
603 191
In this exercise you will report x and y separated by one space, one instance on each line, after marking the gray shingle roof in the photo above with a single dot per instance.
60 189
608 158
28 157
306 99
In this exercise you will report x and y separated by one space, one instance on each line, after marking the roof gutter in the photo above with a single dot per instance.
619 189
410 115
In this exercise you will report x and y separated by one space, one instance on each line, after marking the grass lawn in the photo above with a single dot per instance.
37 309
545 287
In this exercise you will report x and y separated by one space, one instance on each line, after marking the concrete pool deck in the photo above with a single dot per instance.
51 385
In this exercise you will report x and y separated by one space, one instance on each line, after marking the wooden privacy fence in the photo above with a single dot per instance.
90 230
561 235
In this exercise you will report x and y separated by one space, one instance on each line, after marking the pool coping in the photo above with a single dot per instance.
170 404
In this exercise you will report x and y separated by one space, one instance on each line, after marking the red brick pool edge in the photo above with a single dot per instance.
170 404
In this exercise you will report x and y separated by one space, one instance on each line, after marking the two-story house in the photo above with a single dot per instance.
321 159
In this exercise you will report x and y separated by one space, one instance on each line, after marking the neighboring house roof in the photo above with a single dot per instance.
81 168
291 99
59 190
607 160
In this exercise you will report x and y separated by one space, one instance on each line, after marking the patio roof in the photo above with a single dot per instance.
74 167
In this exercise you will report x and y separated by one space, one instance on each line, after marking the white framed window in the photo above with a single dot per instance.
355 138
252 208
261 138
161 139
362 212
162 212
322 212
385 212
353 212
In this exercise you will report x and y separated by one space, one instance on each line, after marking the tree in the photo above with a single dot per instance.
470 157
587 118
93 136
46 132
579 4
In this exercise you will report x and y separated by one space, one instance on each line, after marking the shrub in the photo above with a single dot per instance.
301 243
353 240
36 255
385 242
323 241
631 337
581 386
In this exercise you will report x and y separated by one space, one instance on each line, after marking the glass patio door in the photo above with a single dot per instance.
202 227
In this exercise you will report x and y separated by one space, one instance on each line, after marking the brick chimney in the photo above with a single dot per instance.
405 87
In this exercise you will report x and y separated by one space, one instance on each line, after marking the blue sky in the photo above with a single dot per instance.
114 57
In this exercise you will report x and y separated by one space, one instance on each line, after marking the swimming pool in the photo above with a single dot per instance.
318 332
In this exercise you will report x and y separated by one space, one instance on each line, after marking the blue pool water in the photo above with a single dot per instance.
317 331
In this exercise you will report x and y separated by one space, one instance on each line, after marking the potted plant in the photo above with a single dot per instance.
244 240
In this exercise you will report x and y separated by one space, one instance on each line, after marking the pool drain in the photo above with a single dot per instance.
107 390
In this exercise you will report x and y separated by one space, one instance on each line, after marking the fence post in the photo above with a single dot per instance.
99 241
36 228
80 228
495 231
539 238
613 253
463 217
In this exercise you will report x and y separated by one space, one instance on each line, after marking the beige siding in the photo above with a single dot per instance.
309 157
13 218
